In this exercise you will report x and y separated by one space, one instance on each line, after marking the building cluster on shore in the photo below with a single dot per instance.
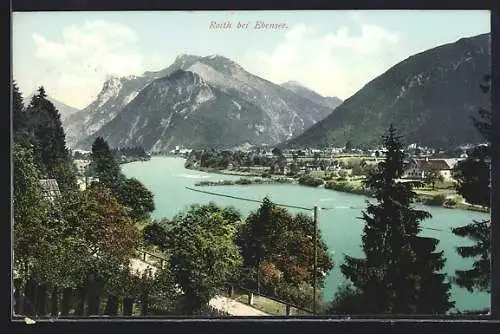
419 161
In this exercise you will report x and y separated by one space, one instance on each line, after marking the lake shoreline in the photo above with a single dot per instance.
244 180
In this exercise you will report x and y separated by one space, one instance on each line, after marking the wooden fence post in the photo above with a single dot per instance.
144 303
250 298
288 309
54 299
80 308
66 301
112 305
128 305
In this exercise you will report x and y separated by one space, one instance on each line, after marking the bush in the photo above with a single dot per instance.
347 300
311 181
203 183
437 200
328 177
339 186
450 202
155 234
346 187
282 180
243 181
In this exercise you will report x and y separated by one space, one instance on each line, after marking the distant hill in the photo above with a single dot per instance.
429 97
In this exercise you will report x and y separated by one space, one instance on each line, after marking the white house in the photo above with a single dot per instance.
81 165
418 168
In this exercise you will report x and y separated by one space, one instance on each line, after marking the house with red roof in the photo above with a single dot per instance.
418 168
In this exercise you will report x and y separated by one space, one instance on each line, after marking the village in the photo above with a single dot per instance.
419 161
430 170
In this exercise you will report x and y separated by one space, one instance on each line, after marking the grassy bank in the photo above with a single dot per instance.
246 181
226 171
442 197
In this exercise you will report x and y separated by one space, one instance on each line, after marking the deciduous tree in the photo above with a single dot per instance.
271 237
135 196
204 257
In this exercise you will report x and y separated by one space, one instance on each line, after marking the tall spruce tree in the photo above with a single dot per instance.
49 141
400 274
473 178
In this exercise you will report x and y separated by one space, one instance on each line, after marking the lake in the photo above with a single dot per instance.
167 178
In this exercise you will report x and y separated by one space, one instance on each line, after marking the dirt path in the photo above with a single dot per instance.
234 308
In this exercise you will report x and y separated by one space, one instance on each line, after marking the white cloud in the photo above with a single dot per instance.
87 54
334 63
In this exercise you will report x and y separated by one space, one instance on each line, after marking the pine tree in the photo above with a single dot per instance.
104 164
49 141
473 177
19 117
400 273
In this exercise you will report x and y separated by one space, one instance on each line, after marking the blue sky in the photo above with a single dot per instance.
333 52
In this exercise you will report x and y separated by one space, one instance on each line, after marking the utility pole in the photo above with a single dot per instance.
315 256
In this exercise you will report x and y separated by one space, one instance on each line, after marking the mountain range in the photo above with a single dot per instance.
212 102
430 98
196 102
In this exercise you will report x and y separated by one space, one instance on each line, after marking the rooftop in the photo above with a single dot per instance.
50 188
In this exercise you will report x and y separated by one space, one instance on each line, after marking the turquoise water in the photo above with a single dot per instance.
167 178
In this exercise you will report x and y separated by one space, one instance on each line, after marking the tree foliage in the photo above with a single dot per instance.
129 192
31 231
280 246
204 256
155 234
473 178
135 196
401 271
19 117
104 165
92 237
479 276
346 300
40 125
432 177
